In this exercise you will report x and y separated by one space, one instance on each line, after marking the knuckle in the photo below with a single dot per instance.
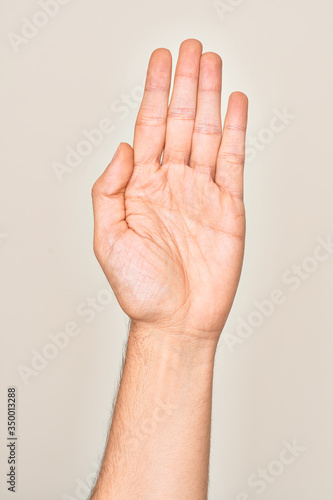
181 113
156 86
207 128
150 120
235 128
232 158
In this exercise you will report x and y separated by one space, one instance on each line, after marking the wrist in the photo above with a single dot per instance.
174 346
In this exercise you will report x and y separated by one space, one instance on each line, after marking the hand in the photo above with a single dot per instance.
169 234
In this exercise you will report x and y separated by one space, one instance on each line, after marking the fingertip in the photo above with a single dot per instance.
125 147
159 71
239 98
211 59
124 150
192 43
189 57
162 52
117 173
237 109
210 77
161 56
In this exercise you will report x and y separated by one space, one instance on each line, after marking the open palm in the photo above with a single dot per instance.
169 232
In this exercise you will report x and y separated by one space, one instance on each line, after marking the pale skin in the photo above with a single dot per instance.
169 235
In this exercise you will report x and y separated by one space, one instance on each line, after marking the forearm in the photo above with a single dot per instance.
159 440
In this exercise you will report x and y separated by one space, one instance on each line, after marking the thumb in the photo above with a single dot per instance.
108 198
